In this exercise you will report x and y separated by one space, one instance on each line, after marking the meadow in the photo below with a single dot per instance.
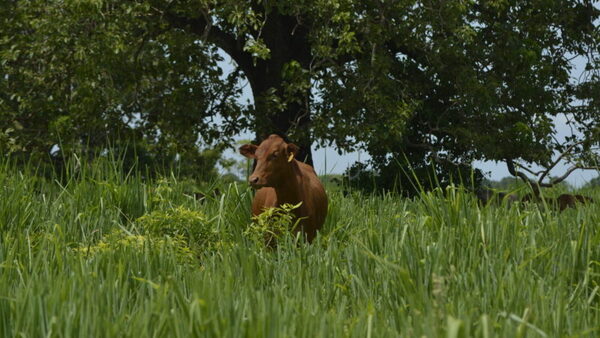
102 252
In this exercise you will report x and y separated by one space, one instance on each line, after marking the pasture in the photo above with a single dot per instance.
103 253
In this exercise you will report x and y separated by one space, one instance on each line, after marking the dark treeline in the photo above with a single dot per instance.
426 88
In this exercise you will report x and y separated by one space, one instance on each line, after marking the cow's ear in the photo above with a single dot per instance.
248 150
292 150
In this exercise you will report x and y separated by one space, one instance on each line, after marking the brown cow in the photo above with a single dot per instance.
563 201
280 179
570 201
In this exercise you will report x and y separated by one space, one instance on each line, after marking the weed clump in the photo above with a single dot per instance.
119 241
273 224
184 232
181 222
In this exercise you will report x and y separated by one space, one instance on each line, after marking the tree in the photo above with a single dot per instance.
270 42
77 76
543 178
462 75
506 183
472 81
429 81
594 182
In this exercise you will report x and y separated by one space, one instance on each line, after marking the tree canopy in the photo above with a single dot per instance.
441 81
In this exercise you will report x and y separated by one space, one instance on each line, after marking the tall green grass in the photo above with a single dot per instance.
84 256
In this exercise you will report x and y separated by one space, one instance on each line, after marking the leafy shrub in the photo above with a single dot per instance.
409 179
119 240
273 224
188 224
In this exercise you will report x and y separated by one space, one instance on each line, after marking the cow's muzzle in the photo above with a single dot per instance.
255 182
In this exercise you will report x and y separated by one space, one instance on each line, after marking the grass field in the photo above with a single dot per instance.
106 254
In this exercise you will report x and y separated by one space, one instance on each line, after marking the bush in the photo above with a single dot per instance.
119 241
181 222
409 179
272 225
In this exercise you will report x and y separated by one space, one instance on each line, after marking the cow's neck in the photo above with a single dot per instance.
290 191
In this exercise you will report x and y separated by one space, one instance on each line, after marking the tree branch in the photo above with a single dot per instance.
204 28
560 157
534 173
533 184
568 172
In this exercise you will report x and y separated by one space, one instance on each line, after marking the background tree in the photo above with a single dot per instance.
593 183
421 82
467 81
78 75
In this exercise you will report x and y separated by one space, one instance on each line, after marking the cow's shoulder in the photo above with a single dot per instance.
306 170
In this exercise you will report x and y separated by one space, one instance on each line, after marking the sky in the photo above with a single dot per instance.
328 161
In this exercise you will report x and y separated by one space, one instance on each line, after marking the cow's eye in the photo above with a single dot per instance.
274 155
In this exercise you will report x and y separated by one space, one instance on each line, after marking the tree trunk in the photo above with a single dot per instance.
288 41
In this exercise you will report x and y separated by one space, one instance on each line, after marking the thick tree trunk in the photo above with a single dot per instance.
287 39
288 42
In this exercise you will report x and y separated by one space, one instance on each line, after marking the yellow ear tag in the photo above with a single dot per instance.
291 157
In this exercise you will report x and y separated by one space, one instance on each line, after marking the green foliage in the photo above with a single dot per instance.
437 265
410 179
448 81
272 225
462 79
83 76
506 183
119 242
182 223
594 182
404 79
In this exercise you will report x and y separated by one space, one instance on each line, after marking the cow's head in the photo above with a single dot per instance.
274 158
